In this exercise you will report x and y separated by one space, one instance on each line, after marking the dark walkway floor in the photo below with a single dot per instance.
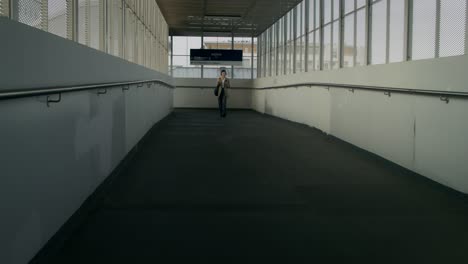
256 189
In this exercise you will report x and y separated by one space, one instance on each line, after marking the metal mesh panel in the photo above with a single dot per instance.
83 22
90 23
115 26
452 27
424 29
140 42
4 8
33 13
58 18
130 35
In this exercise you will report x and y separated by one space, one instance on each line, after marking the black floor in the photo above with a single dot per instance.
256 189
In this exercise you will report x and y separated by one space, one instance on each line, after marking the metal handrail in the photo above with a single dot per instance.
211 87
352 87
10 94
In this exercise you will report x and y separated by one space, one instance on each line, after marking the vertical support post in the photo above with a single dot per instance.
285 45
387 36
72 20
202 47
408 45
259 56
277 45
172 55
45 15
10 9
252 57
368 53
105 26
232 47
306 34
322 12
466 28
355 34
124 38
270 45
294 39
341 34
332 15
76 9
437 29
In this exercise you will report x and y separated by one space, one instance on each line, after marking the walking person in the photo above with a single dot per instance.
223 87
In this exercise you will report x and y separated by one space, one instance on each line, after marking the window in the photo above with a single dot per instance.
452 27
361 46
397 30
249 53
4 8
146 31
181 67
379 32
424 29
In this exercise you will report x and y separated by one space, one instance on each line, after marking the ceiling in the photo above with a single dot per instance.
243 17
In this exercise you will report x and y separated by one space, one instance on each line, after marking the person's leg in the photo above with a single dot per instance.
220 102
224 106
220 105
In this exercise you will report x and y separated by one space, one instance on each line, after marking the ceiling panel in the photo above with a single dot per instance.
243 17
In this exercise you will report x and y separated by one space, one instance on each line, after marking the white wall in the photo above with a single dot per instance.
189 93
53 158
32 58
421 133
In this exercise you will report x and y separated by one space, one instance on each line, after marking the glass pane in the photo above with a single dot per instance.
183 69
348 49
317 13
327 12
452 27
397 30
310 50
298 21
361 37
360 3
336 45
244 71
327 47
424 24
379 32
182 45
348 5
336 9
213 71
217 43
300 54
311 15
273 51
317 50
280 60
